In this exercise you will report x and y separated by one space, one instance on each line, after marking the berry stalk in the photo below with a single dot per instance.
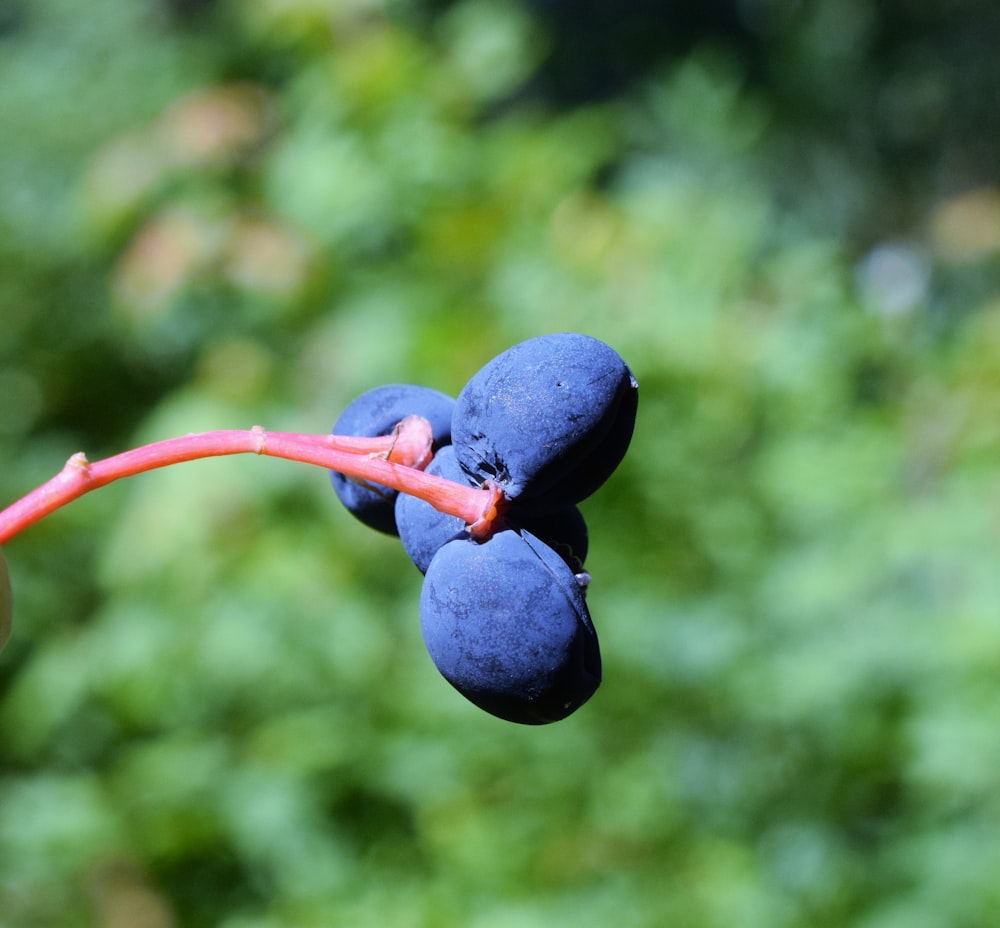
393 461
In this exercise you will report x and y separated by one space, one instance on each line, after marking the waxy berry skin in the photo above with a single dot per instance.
375 413
548 420
506 623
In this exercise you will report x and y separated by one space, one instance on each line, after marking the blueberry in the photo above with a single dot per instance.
549 419
375 413
506 623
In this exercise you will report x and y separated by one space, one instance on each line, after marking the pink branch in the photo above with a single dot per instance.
392 461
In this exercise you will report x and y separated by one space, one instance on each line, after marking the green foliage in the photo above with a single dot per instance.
6 601
216 709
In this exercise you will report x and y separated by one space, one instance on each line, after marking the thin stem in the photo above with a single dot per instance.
350 456
410 443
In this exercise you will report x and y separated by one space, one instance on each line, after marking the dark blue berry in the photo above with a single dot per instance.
376 413
548 420
506 623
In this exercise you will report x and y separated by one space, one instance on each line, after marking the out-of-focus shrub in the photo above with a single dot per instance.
216 709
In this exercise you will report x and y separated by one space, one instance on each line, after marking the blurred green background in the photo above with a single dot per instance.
216 708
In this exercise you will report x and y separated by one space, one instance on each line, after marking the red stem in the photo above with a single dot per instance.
348 455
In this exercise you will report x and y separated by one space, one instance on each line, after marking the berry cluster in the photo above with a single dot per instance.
481 489
503 607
